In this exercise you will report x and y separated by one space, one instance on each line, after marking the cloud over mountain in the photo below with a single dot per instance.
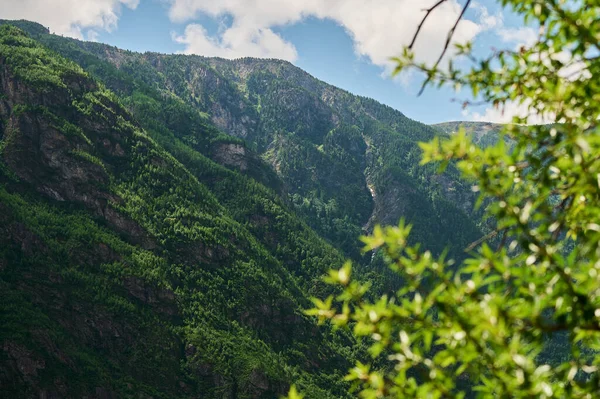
379 29
68 17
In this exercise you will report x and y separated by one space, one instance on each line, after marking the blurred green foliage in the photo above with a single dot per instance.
521 316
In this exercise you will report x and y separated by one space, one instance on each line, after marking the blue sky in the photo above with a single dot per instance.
342 45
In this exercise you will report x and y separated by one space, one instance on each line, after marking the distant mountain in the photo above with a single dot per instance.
165 219
483 134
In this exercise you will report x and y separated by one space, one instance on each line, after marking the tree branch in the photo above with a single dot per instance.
429 10
482 239
448 40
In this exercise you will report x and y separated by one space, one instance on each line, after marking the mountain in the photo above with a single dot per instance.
483 134
327 145
165 219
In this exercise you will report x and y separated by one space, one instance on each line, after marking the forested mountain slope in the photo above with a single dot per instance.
122 272
165 219
346 162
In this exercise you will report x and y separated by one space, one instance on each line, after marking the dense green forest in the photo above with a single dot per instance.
165 219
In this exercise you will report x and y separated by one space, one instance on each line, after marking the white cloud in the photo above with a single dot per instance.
505 114
261 43
572 68
67 17
487 20
521 36
92 35
379 28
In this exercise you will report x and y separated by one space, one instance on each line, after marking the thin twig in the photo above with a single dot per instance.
482 239
446 45
429 10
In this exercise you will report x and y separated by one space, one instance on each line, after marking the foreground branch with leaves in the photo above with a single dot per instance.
483 328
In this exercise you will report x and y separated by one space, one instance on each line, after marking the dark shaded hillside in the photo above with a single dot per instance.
123 274
338 156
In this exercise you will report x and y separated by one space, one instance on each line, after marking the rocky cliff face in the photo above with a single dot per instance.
43 148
